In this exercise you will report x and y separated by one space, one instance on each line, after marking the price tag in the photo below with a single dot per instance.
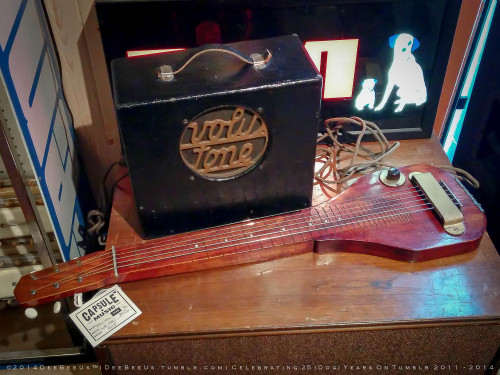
103 315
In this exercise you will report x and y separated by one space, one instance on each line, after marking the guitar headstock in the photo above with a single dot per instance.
62 280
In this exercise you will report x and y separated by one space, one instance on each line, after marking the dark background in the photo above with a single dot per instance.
478 149
133 25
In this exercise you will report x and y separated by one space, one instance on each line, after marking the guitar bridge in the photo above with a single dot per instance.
443 201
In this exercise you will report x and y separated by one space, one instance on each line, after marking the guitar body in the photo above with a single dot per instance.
368 218
414 237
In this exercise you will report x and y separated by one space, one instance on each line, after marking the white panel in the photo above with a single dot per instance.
66 119
74 251
30 81
12 129
25 54
40 114
61 189
8 12
60 134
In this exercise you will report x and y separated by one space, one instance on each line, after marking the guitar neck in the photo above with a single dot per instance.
380 218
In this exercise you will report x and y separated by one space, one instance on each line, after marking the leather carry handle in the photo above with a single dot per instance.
167 73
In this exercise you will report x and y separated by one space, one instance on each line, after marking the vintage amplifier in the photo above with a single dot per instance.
218 134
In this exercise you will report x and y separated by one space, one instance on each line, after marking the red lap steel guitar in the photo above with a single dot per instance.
429 215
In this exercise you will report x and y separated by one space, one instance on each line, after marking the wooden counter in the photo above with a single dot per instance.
322 310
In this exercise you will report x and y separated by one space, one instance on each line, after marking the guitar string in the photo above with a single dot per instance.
156 259
216 231
191 241
104 269
291 223
324 226
279 234
241 226
236 235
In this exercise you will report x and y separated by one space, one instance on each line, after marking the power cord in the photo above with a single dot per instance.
362 160
97 219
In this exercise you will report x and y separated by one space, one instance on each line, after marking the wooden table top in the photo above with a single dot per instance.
312 292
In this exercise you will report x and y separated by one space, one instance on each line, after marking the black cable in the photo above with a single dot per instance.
112 191
109 170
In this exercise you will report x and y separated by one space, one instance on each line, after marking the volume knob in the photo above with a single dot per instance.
392 177
393 174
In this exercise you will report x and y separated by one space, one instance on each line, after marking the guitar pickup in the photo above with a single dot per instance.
445 208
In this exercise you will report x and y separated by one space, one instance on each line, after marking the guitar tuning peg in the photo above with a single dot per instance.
78 300
57 307
31 313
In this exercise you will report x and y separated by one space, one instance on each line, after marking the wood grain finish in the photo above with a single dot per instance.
311 292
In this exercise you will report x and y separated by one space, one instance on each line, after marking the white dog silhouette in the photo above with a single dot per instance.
367 95
404 73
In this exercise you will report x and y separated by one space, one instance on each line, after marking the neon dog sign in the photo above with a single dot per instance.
405 74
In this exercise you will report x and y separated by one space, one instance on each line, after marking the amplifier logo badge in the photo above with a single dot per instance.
223 143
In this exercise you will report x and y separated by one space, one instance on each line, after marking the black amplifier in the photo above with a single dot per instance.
218 134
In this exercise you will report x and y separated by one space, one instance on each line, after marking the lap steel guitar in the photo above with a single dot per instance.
414 214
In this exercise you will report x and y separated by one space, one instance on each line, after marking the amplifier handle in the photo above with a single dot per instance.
166 73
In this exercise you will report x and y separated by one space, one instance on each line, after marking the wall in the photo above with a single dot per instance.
86 84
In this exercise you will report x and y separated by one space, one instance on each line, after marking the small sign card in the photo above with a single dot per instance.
103 315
